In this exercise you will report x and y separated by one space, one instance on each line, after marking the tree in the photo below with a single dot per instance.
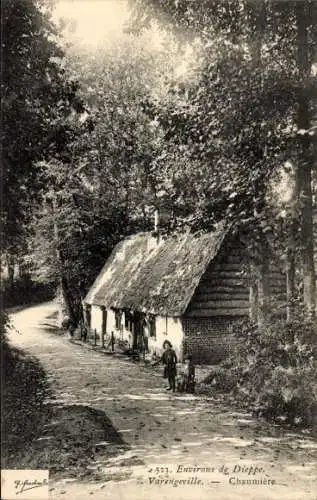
38 101
260 75
304 173
108 187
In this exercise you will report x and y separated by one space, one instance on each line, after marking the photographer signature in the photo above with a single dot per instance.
26 485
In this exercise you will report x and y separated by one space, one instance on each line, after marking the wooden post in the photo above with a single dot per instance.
112 341
104 326
95 336
103 340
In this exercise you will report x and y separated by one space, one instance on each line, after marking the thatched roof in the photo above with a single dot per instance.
158 278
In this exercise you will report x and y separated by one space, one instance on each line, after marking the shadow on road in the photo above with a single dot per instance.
51 328
70 440
24 391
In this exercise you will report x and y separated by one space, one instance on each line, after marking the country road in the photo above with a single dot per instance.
109 423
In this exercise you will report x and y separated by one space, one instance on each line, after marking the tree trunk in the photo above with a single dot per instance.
67 302
67 299
291 256
290 285
304 177
21 269
257 11
11 270
308 247
259 291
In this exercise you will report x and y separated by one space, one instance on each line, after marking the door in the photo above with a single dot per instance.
138 325
103 326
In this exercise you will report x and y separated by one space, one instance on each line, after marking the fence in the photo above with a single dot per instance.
106 341
109 341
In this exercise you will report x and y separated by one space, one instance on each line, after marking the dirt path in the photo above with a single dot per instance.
130 425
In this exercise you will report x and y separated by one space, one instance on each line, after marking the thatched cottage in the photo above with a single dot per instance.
189 289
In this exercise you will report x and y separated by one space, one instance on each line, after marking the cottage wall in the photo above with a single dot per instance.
220 302
167 328
120 334
97 322
111 321
96 319
224 288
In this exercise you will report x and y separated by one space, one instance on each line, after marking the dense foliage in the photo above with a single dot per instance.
37 104
109 187
251 111
273 371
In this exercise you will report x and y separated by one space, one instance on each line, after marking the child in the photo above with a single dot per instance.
169 361
186 382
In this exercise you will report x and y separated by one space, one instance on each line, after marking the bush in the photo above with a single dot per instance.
222 379
274 371
25 291
5 351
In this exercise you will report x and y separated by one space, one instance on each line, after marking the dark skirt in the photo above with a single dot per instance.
169 371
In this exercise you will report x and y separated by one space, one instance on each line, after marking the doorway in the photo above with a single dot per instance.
103 326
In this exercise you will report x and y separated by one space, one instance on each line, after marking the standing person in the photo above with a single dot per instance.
169 361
